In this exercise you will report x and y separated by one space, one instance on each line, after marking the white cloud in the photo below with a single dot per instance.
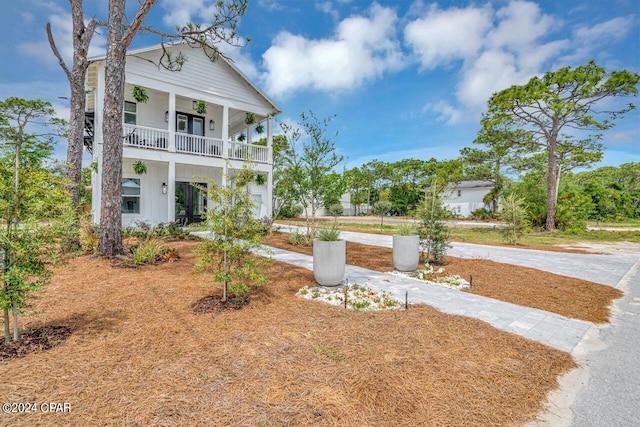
614 29
497 49
520 24
180 12
443 36
363 48
448 113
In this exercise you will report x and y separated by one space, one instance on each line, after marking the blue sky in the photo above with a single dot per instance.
404 78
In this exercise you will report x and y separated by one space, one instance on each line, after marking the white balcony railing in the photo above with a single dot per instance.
243 151
157 139
145 137
202 145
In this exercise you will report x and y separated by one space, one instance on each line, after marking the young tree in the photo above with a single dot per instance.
514 215
311 170
381 208
335 210
35 209
356 184
282 194
226 253
537 113
434 233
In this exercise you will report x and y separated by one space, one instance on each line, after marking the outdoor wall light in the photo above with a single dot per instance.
164 188
212 125
166 117
195 105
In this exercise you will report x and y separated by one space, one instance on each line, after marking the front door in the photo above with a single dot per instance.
190 202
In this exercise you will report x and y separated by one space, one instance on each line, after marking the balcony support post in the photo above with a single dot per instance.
225 131
172 124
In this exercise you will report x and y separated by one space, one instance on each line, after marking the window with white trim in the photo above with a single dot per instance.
130 112
130 195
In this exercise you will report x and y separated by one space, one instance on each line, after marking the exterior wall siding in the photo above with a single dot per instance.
469 200
217 78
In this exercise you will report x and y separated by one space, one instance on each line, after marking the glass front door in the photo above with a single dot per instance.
190 202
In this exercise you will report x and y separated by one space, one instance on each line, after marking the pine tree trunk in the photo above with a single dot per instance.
111 211
550 224
76 137
76 145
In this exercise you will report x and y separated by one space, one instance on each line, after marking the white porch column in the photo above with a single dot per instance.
96 178
225 132
171 191
96 183
269 202
269 139
172 125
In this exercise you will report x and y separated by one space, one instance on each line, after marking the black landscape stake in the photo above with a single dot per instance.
346 288
406 300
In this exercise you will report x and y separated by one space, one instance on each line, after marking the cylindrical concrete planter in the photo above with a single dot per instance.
406 252
329 259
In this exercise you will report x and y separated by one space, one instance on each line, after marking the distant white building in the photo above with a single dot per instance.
345 201
466 196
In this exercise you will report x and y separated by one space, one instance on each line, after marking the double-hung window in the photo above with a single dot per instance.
130 195
130 112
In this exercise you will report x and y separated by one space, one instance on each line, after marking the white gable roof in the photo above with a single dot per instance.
220 78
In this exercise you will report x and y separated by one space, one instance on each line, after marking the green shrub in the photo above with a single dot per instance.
406 229
335 210
89 239
481 214
290 211
328 234
299 239
148 252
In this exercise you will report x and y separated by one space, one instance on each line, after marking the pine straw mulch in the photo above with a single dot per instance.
139 355
567 296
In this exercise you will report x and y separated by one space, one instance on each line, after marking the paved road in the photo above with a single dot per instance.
611 397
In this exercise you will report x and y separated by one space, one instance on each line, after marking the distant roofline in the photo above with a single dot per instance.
473 184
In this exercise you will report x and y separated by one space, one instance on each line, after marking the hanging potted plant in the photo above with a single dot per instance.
250 118
139 167
259 128
140 94
329 257
242 137
406 248
201 107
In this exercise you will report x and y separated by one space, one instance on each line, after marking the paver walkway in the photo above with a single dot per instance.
548 328
604 269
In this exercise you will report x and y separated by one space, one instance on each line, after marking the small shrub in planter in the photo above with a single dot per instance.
406 248
329 257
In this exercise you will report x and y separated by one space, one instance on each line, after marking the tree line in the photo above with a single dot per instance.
539 132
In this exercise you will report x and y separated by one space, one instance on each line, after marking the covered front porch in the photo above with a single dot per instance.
166 192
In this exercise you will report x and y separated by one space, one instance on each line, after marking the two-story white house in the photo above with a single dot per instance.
189 129
466 196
